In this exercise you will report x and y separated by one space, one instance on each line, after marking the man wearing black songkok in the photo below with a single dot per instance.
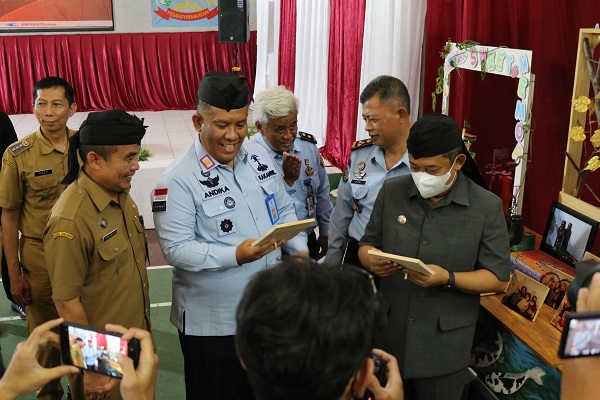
211 203
94 241
441 216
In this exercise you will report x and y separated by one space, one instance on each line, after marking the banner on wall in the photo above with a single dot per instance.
52 15
184 13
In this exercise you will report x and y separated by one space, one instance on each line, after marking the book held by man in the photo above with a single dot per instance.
284 231
407 262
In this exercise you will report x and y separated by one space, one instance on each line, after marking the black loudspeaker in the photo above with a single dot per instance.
234 21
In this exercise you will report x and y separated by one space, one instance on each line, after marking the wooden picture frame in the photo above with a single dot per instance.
512 63
568 234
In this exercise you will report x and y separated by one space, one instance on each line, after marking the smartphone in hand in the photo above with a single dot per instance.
581 335
95 350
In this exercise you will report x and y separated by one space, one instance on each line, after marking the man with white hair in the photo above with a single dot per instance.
299 161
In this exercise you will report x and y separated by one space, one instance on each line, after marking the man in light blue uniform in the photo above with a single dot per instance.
209 206
299 161
386 111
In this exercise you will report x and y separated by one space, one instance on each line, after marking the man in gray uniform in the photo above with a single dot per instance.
457 228
386 111
299 161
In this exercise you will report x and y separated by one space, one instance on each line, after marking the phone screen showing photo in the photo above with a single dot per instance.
94 351
581 335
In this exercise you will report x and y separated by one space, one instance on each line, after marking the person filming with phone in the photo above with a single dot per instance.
25 374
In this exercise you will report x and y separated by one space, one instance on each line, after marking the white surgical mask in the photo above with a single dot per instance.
432 185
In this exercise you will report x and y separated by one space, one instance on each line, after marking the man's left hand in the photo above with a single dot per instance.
439 278
291 168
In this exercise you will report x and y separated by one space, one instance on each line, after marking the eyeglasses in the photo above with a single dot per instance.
364 273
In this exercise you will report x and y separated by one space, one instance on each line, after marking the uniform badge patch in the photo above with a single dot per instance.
62 234
229 202
310 171
361 165
103 223
159 200
321 160
19 147
226 226
6 162
209 182
346 173
259 166
207 162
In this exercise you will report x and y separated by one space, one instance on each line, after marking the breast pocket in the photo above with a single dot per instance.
45 191
219 211
359 192
113 253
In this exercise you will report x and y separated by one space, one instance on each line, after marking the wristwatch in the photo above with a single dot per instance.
451 281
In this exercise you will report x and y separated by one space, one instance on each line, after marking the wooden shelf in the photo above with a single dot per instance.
540 336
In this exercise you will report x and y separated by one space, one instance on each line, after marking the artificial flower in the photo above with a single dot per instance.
595 139
593 164
576 133
581 104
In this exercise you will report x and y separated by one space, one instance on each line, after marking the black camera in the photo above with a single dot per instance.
380 371
584 271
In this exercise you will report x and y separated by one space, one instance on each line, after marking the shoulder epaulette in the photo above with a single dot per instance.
20 147
362 143
74 199
308 137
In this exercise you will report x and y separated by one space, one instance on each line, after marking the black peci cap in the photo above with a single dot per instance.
104 128
223 90
437 134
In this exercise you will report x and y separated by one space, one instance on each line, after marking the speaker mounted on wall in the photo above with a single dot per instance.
234 21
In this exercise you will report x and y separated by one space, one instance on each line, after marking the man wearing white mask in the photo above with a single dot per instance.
441 215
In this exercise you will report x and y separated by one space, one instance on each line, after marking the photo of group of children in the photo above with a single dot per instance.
96 351
525 296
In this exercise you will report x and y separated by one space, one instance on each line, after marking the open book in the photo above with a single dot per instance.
284 231
411 263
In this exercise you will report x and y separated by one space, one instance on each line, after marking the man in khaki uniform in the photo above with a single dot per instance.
29 186
94 240
77 353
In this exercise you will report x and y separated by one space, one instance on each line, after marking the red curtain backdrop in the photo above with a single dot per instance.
287 44
134 71
551 30
343 90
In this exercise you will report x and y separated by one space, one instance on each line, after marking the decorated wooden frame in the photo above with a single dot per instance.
513 63
581 87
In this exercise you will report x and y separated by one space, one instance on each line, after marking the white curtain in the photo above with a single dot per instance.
392 45
312 47
267 42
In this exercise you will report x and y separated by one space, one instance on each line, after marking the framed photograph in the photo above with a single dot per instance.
525 295
56 15
559 317
568 234
558 283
